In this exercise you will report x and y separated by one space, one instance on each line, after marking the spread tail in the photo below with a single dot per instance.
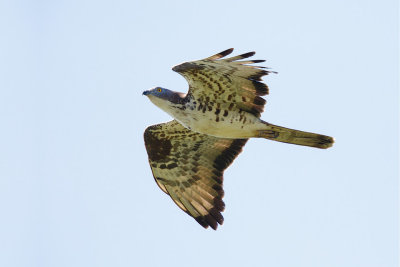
285 135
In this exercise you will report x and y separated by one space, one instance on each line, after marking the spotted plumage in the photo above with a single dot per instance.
212 123
188 166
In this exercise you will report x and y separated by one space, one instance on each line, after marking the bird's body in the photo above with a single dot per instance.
210 119
212 123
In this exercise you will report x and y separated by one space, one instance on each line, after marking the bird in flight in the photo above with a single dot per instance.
211 124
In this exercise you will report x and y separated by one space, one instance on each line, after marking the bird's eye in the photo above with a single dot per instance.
159 90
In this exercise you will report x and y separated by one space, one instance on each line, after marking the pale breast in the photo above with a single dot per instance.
218 122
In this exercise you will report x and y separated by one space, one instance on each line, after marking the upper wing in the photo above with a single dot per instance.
229 83
189 167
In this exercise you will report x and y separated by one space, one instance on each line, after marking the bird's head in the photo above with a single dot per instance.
159 92
163 97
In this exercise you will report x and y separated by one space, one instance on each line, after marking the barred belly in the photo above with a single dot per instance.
222 124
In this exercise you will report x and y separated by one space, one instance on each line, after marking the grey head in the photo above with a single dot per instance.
159 93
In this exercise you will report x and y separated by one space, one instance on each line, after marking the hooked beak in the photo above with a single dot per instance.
146 92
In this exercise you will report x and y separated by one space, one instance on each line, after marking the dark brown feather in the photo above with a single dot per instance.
221 54
189 167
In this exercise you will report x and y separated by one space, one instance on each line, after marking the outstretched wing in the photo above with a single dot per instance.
189 167
230 83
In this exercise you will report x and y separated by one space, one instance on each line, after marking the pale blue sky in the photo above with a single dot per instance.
75 186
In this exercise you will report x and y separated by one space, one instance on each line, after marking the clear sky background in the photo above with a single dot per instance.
75 185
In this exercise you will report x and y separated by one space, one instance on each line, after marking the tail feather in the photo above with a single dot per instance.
291 136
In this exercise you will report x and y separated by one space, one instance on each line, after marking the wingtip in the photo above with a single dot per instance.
248 54
230 50
221 54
